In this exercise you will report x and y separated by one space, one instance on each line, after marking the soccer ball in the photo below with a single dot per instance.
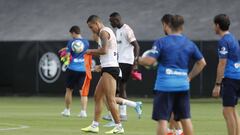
148 53
77 46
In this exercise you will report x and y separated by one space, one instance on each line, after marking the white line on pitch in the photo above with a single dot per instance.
13 128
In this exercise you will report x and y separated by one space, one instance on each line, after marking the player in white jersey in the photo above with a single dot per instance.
128 52
106 87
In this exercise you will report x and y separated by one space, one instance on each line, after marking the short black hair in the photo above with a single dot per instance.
177 22
167 18
93 18
75 29
223 21
115 14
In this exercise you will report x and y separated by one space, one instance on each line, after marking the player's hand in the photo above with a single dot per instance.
216 91
97 68
88 51
135 65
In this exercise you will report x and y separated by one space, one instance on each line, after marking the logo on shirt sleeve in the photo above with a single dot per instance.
154 48
223 51
237 65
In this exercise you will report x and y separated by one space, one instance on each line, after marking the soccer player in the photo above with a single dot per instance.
76 72
121 101
173 53
228 73
106 87
128 52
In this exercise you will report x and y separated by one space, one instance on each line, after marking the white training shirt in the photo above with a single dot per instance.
110 58
125 36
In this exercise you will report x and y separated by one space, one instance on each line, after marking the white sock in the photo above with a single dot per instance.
179 131
123 110
129 103
170 130
95 124
83 111
67 109
119 125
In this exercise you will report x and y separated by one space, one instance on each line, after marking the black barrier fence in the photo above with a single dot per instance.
33 68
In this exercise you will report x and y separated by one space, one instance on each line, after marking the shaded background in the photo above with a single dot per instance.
30 28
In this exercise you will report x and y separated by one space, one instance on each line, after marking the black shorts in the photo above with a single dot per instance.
126 71
230 92
74 79
113 71
167 102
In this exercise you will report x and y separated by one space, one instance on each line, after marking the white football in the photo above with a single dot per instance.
77 46
148 53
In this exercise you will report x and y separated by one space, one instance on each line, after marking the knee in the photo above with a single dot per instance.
226 112
111 100
97 98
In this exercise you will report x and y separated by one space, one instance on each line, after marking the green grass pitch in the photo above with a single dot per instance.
42 116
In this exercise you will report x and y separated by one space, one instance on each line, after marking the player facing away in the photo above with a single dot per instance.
76 72
173 53
228 73
128 52
106 87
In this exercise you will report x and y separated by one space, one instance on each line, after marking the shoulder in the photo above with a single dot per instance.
106 29
127 27
85 40
158 42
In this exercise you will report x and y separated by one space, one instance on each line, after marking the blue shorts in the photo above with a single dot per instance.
230 92
74 79
166 103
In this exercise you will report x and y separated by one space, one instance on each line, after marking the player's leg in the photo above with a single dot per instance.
229 116
109 79
83 94
69 84
84 101
108 116
68 98
236 111
174 126
109 86
136 105
171 126
98 100
126 72
162 108
229 98
68 102
181 111
237 121
187 126
162 127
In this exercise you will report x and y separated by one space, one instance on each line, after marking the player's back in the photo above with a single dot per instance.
77 63
229 48
175 52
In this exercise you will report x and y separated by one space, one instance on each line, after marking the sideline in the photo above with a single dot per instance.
15 127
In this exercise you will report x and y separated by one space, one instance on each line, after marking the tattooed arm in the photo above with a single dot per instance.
104 36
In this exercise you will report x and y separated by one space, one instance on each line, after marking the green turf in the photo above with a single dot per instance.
42 115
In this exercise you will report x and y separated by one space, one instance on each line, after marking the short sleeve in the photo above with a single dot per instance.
222 49
197 55
69 48
156 49
130 35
